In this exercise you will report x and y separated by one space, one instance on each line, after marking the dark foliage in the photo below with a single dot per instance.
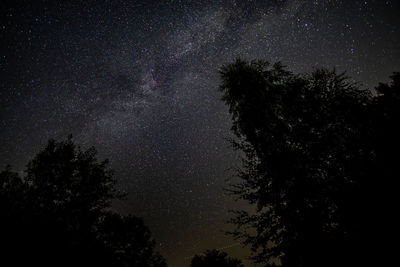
58 214
215 258
320 156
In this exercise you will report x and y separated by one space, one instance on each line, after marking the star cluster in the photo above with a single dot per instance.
139 81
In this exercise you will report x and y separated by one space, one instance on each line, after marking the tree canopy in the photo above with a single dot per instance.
315 149
215 258
59 214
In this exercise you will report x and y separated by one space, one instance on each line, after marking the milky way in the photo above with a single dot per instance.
139 81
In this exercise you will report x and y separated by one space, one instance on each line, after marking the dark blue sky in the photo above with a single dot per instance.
139 81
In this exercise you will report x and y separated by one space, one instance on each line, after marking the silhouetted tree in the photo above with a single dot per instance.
310 162
13 206
59 214
386 168
387 113
215 258
129 240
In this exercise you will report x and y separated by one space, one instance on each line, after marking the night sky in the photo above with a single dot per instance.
139 81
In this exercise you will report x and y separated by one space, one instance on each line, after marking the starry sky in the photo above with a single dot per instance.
139 81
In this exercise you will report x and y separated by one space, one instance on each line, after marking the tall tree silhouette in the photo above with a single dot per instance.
387 147
215 258
59 214
310 162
